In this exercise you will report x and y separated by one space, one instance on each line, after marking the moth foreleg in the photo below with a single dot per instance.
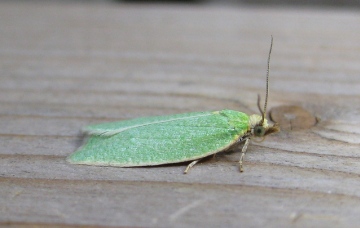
243 151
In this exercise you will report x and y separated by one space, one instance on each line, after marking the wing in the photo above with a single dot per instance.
112 128
161 140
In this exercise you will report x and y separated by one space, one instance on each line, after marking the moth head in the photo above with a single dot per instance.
259 126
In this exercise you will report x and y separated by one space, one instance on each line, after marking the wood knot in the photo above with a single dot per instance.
292 118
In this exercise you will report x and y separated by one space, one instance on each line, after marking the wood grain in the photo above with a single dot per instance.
64 66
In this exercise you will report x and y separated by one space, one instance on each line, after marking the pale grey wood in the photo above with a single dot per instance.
63 66
84 202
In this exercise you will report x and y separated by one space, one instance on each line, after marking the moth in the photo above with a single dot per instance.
158 140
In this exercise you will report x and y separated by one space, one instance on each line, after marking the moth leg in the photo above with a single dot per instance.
190 165
243 151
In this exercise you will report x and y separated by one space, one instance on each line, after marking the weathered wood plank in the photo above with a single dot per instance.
82 202
64 66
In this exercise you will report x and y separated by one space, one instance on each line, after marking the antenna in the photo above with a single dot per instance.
267 85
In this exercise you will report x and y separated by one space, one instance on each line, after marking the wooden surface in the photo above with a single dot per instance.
64 66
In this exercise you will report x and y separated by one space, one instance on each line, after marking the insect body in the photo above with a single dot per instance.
171 139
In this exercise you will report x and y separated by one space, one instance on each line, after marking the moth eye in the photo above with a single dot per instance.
259 131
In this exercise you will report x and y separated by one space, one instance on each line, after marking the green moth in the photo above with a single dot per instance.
157 140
